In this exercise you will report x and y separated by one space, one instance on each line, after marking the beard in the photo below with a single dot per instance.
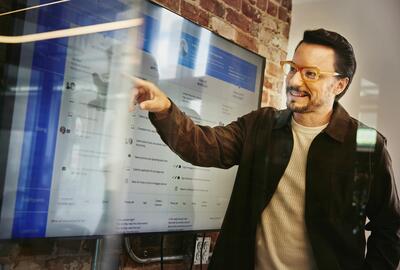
294 106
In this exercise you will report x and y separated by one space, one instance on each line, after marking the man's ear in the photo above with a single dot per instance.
341 85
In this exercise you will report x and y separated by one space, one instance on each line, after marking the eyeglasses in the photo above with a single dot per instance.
307 73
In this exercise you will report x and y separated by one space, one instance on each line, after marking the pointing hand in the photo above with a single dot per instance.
149 97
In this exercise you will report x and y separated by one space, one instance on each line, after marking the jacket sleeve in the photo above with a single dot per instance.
219 147
383 211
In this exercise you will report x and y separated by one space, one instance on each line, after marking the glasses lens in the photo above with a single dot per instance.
310 74
289 68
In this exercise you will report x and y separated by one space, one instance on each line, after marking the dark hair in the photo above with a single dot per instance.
345 60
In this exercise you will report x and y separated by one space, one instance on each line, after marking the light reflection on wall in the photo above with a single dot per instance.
369 97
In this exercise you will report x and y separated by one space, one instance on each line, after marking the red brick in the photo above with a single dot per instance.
219 10
67 262
272 9
189 11
286 30
195 14
208 5
287 4
283 14
257 17
238 20
289 19
204 18
262 4
247 41
213 6
234 3
248 10
172 4
251 12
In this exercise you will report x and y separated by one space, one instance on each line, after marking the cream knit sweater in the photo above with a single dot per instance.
281 239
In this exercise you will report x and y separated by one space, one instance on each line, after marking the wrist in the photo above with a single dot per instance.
163 113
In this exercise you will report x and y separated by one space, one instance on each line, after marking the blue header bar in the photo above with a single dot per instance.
232 69
221 64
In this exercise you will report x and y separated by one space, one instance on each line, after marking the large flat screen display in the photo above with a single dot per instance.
75 161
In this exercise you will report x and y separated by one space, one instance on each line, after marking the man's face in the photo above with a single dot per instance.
313 96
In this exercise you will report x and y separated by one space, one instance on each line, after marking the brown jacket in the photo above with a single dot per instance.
346 182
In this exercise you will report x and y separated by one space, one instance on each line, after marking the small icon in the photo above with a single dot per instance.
63 130
70 86
184 47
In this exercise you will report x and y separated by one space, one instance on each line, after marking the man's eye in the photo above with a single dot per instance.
292 70
311 74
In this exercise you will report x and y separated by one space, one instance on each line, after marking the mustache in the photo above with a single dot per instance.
297 89
292 88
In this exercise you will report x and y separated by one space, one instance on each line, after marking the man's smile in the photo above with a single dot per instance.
297 93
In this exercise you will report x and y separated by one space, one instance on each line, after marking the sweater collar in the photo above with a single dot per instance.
337 127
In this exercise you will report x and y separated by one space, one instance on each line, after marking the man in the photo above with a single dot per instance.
305 182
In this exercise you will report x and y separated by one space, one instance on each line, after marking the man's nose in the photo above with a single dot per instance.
296 79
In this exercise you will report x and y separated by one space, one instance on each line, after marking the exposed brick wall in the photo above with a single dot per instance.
46 254
259 25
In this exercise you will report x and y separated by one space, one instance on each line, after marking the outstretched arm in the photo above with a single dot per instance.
200 145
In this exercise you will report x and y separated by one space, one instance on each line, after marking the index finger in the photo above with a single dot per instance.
137 81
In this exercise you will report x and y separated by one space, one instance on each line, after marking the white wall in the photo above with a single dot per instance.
372 27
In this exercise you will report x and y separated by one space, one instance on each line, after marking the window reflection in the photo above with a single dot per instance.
167 47
369 100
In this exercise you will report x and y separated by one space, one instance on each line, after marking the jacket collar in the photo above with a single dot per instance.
339 123
337 127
